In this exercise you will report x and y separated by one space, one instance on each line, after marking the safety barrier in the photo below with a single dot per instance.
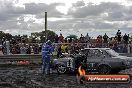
15 59
29 59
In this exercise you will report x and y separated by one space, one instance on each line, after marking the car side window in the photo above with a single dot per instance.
85 52
96 53
89 53
105 53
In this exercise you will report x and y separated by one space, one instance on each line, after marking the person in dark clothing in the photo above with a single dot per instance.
82 38
18 38
125 38
12 50
23 40
13 41
4 48
59 53
36 49
17 49
115 47
105 38
40 47
56 39
118 36
120 48
70 40
28 49
87 38
125 49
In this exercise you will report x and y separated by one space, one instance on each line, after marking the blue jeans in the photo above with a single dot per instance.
46 65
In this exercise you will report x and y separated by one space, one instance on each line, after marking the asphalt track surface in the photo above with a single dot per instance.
31 77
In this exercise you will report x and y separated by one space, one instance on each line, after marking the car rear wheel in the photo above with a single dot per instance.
104 69
61 69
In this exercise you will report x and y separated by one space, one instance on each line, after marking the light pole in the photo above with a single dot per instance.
45 25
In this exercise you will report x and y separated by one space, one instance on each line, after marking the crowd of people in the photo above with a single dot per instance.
71 45
22 48
119 43
25 49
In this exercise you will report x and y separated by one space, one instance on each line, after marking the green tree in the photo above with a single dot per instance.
40 36
50 35
2 34
8 36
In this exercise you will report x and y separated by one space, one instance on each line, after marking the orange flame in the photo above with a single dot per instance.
81 71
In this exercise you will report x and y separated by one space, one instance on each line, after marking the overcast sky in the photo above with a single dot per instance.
70 16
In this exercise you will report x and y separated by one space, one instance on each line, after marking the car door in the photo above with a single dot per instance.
94 58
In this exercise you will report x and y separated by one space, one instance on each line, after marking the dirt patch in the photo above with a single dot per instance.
31 77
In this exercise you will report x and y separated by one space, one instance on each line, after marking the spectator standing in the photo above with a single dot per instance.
66 48
70 40
118 34
32 52
36 49
17 49
125 49
77 47
40 47
62 48
98 42
18 39
61 38
87 38
56 39
13 41
72 48
65 40
1 53
126 39
4 48
120 48
59 53
82 38
28 51
115 48
23 50
105 38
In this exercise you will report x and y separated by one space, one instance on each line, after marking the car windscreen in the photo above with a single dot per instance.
112 52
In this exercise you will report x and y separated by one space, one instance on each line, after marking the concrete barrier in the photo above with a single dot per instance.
32 58
12 59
